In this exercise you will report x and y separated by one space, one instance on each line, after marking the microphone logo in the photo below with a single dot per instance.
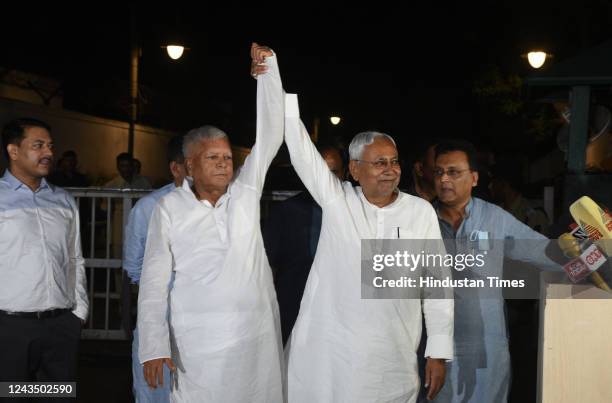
588 262
593 257
577 232
576 270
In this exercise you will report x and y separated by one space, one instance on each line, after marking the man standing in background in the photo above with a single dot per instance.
423 172
291 248
127 178
43 298
480 371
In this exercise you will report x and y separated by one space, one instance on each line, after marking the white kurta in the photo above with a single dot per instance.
224 316
344 348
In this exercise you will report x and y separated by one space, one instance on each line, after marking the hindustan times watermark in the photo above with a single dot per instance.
427 282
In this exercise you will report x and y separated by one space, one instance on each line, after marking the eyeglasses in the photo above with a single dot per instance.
451 173
383 163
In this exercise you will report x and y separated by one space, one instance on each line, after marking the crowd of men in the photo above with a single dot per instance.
214 324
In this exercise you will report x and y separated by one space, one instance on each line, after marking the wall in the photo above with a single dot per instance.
97 141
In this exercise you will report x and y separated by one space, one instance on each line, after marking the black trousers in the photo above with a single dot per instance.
44 350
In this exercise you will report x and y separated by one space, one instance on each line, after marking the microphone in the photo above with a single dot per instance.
588 258
596 222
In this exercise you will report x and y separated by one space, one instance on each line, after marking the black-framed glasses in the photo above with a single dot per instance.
451 173
383 163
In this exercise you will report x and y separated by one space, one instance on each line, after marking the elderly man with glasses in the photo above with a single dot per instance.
345 348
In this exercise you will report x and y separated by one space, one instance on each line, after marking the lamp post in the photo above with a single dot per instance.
175 51
134 57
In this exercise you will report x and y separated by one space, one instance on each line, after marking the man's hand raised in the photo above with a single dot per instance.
258 59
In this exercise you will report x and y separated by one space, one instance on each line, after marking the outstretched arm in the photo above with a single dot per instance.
322 184
270 122
526 245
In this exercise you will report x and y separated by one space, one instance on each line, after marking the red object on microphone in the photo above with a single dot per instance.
588 262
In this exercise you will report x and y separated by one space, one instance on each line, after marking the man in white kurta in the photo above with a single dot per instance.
224 323
344 348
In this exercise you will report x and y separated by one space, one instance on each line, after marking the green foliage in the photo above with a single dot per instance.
502 94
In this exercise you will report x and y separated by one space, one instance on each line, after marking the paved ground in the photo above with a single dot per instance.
105 374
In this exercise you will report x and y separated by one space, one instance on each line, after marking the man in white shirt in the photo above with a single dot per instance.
344 348
43 298
224 323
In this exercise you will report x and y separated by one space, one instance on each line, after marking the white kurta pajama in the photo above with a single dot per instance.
344 348
223 312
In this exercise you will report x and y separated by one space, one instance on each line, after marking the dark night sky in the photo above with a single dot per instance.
407 70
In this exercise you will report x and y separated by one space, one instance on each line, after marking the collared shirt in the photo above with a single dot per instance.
344 347
187 237
483 218
223 322
199 238
480 371
381 220
481 340
41 266
487 228
136 231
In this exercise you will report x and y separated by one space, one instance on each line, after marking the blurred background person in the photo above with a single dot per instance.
422 183
505 189
291 248
66 173
127 177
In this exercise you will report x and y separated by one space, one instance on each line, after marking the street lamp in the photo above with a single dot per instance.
335 120
537 58
175 51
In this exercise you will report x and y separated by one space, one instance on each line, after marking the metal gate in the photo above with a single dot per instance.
103 213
